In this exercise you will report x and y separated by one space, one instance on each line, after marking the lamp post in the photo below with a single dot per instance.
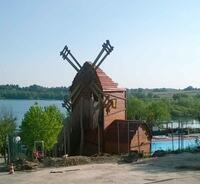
17 140
8 143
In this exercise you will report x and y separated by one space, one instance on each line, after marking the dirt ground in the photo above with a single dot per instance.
172 169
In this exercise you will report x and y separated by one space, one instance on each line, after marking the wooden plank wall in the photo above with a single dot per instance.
126 136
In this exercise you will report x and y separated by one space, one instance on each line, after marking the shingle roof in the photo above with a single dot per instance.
106 82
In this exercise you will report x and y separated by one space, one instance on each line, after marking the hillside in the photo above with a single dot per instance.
163 104
163 92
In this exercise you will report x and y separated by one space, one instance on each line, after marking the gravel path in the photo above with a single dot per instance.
161 170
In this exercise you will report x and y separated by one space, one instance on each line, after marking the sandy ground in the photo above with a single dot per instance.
171 169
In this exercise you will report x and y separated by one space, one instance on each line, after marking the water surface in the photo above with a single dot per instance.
20 107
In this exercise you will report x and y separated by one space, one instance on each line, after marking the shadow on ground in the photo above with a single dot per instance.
169 163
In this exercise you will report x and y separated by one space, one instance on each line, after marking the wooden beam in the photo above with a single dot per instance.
138 134
68 136
118 139
92 86
99 141
97 58
121 98
77 94
106 95
75 60
106 100
126 105
101 61
128 137
82 128
94 90
67 104
64 53
64 135
73 65
74 91
98 89
108 49
116 112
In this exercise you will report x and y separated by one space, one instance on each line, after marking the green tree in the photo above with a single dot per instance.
136 109
41 124
7 127
157 112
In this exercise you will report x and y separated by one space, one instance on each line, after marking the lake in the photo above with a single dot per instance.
20 107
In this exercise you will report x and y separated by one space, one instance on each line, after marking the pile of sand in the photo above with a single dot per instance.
66 161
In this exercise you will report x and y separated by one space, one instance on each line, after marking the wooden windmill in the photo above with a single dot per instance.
105 51
89 101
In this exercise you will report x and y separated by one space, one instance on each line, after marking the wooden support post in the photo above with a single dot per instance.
64 134
99 141
138 139
128 138
126 104
182 137
118 137
82 128
115 96
172 128
179 135
100 126
68 140
68 135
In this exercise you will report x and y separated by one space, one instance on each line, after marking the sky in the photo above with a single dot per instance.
156 42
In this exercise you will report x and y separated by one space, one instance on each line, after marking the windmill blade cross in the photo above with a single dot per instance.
93 89
64 53
67 104
97 58
74 59
77 94
108 49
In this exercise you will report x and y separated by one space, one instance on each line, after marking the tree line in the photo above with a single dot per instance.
158 106
58 93
32 92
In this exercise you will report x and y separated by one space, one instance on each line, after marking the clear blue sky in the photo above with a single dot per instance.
157 42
